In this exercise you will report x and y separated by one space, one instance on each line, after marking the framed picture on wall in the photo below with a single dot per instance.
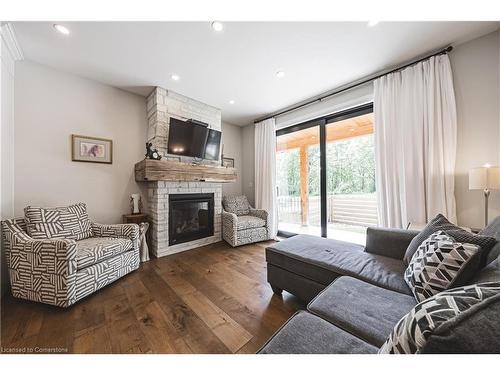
91 149
228 162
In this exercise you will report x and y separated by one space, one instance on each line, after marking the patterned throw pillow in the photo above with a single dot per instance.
237 205
439 315
437 263
71 222
459 234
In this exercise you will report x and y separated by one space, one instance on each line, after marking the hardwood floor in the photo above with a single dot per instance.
214 299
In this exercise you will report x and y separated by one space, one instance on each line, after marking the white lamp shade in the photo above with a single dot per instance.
484 178
494 178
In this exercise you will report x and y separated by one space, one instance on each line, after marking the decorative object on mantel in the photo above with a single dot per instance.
228 162
143 221
91 149
222 156
173 158
135 203
150 153
485 178
162 170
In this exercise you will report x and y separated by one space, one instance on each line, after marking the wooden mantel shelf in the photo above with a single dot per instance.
163 170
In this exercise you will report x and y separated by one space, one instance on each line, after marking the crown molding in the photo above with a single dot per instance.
9 37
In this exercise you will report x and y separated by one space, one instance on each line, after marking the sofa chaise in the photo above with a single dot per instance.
357 297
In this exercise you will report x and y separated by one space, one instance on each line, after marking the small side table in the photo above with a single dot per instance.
135 218
143 228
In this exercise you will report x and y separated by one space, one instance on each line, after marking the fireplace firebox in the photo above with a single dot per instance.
190 217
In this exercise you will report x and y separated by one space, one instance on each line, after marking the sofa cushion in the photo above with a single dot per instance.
438 263
305 333
452 321
71 222
367 311
249 222
492 230
459 234
323 260
489 273
96 249
237 205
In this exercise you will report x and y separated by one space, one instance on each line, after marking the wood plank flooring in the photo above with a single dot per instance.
213 299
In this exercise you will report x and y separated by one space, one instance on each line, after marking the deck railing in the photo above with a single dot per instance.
352 209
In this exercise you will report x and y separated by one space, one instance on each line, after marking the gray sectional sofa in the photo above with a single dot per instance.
356 295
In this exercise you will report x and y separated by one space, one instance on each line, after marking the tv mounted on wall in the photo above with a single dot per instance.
192 138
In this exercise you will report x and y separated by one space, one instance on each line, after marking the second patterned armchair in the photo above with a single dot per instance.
242 224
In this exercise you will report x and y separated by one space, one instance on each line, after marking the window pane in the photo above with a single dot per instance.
298 181
350 160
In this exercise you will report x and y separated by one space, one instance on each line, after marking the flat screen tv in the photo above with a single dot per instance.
191 139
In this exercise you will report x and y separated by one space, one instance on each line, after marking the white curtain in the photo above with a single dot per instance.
415 143
265 171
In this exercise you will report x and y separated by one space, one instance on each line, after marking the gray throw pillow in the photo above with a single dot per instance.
436 264
452 321
459 234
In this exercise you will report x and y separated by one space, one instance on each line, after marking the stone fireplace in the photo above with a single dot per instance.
159 201
185 213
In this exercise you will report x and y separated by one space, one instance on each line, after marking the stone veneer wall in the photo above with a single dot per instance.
163 104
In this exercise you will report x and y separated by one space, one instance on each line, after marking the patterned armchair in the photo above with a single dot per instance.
62 270
242 224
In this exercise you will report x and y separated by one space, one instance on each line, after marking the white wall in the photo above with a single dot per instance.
51 105
6 145
348 99
231 139
476 76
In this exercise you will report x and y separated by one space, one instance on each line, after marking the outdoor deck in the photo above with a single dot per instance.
348 216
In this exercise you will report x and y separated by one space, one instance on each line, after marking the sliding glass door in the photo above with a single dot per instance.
326 176
298 180
350 175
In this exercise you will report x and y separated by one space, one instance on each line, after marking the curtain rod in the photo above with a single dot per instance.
356 83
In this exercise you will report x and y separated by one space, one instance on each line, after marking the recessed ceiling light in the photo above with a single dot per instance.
231 102
372 23
62 29
175 77
217 26
280 74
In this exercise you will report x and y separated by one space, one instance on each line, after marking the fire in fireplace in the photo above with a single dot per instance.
190 217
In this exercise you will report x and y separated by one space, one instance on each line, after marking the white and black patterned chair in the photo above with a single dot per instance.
242 224
72 261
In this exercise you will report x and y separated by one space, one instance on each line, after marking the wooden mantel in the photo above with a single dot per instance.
163 170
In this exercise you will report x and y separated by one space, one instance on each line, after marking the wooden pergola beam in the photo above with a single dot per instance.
330 137
338 131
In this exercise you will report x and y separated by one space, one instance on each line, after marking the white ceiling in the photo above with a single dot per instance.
239 63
